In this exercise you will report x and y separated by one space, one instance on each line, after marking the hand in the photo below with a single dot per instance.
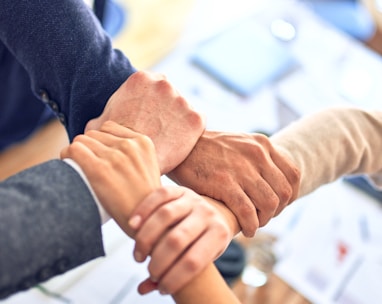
182 233
147 103
244 171
121 166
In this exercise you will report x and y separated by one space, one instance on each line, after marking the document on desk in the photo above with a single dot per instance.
334 253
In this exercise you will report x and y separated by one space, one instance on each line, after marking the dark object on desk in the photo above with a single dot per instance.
231 263
244 57
361 182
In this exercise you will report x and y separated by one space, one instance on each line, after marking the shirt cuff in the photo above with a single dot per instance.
103 214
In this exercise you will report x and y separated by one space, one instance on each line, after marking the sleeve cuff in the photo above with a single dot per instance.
103 214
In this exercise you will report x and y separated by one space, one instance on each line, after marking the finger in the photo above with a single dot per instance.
147 286
64 153
190 264
110 140
151 202
276 176
118 130
93 144
155 227
171 246
242 207
290 171
82 155
264 197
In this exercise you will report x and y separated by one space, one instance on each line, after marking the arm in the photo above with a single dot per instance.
49 224
207 288
332 143
74 69
69 58
138 164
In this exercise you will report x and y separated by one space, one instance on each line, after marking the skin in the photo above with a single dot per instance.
245 172
171 231
122 167
149 104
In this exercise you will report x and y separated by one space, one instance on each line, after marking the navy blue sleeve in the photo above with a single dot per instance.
67 54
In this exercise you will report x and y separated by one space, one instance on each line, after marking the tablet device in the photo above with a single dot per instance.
244 57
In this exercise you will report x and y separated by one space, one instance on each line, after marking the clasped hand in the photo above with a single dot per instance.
244 171
122 168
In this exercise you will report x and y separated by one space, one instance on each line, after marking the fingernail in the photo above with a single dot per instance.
153 279
138 256
163 291
135 221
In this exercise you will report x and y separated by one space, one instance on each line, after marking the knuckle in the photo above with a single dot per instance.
245 209
174 240
192 264
164 85
260 154
143 244
164 191
107 125
78 138
92 132
146 142
124 144
272 203
223 233
166 212
295 175
262 139
286 194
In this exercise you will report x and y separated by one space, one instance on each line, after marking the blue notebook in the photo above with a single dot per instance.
362 183
244 57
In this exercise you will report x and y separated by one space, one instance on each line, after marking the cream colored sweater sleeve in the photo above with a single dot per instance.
332 143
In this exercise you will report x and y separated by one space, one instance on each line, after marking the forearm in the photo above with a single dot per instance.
209 287
333 143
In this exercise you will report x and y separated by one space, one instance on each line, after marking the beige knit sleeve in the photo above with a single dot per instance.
332 143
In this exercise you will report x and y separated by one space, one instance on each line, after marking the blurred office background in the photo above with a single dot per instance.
282 59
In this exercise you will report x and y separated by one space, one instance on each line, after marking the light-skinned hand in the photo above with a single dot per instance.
182 233
121 166
147 103
245 172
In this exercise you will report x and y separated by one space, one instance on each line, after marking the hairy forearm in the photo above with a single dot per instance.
333 143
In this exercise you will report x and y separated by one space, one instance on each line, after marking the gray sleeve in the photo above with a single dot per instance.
49 224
